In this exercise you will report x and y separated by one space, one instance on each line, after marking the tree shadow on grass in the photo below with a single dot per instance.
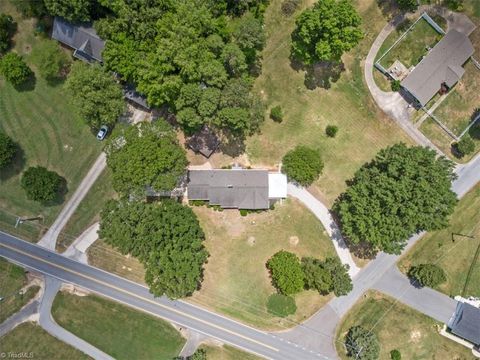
16 167
389 8
319 75
27 85
232 144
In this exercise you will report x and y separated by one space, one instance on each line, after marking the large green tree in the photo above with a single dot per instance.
95 94
402 191
49 59
316 276
7 149
325 31
303 165
165 236
7 29
41 184
72 10
428 274
286 271
362 344
14 69
146 155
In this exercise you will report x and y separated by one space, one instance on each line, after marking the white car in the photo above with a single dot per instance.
102 132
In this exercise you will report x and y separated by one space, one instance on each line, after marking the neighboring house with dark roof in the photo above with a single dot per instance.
441 68
236 188
465 323
135 97
81 37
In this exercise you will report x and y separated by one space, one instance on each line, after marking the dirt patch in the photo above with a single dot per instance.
415 336
251 240
294 240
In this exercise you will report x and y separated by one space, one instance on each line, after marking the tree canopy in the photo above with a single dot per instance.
362 344
286 271
165 236
41 184
327 276
95 94
402 191
325 31
49 59
14 69
430 275
465 146
408 5
7 150
188 54
72 10
303 165
146 155
7 29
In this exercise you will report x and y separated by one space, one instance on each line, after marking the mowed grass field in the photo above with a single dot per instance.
32 340
236 280
227 353
399 327
46 129
12 280
363 128
452 251
118 330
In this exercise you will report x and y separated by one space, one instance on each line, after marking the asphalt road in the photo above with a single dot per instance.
200 320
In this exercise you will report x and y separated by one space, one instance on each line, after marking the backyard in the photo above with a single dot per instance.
363 128
399 327
31 340
48 132
116 329
453 248
12 280
236 281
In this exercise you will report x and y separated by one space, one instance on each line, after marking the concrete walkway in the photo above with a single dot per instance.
194 339
49 240
48 324
323 214
78 249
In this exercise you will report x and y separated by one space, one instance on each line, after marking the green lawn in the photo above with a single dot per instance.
12 279
412 47
454 257
363 128
397 326
31 339
48 132
88 212
116 329
236 281
227 353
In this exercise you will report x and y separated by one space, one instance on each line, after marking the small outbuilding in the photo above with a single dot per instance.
204 142
135 97
465 323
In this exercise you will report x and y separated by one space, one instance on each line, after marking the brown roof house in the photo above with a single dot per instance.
237 188
441 67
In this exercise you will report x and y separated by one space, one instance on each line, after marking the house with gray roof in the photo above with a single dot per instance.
441 68
465 323
81 37
252 189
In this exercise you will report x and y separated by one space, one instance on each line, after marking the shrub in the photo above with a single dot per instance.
316 276
7 150
430 275
331 130
276 113
408 5
395 355
286 271
303 165
465 146
281 305
362 344
41 184
199 354
14 69
395 85
7 29
289 7
243 212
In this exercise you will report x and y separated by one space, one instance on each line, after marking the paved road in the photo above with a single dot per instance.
49 240
428 301
186 315
468 176
25 314
323 214
46 321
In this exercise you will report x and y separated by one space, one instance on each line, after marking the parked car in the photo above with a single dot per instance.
102 132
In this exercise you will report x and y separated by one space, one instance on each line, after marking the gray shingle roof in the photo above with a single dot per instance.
81 37
466 323
133 95
242 189
443 64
